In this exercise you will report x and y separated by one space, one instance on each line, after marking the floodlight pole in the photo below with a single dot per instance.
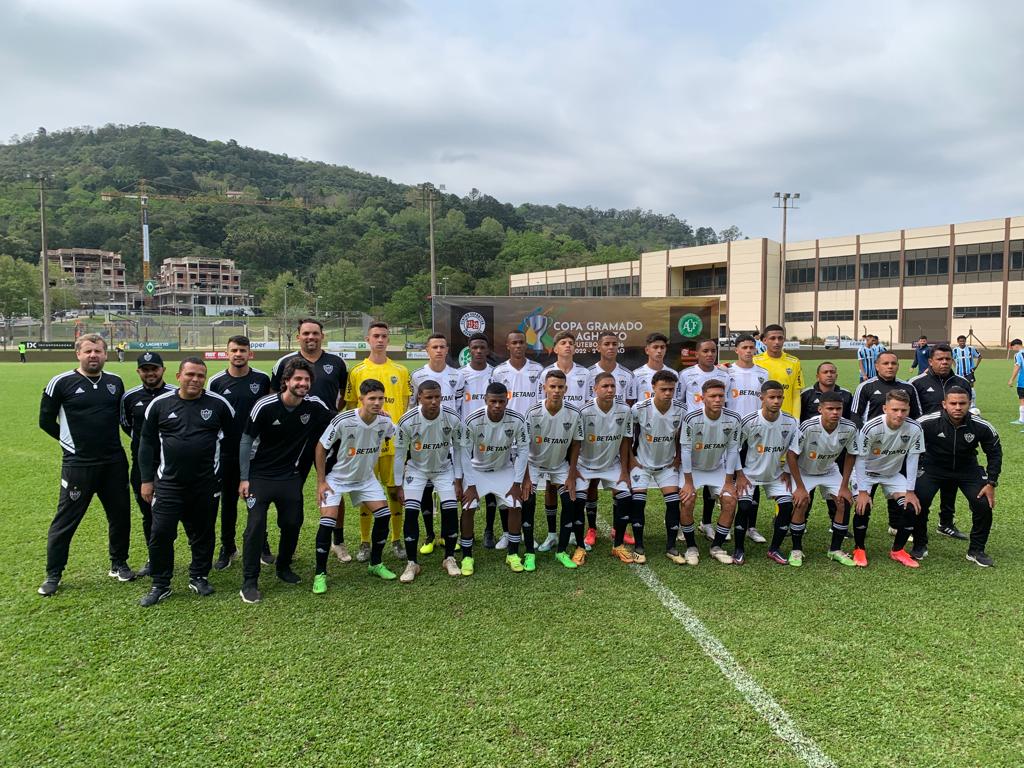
785 201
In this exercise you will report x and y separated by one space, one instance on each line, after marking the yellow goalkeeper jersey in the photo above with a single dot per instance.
397 389
786 370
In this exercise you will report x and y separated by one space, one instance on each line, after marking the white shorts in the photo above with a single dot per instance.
773 489
358 493
607 479
829 483
496 483
641 478
713 480
414 482
540 477
892 485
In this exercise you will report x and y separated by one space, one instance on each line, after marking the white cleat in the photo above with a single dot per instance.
755 536
412 570
450 566
692 556
708 530
340 551
502 542
548 544
721 555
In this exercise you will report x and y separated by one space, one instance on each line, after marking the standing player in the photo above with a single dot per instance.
1017 377
179 458
277 433
691 380
495 463
397 388
361 435
655 347
921 354
884 444
428 454
783 368
967 360
80 409
867 356
768 435
759 345
241 385
477 375
150 367
656 424
826 378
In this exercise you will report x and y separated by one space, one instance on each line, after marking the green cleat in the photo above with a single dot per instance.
842 558
514 563
564 559
467 566
796 558
381 572
529 562
319 583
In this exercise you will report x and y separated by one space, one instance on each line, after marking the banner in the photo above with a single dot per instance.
215 355
42 345
161 345
358 346
683 320
255 345
417 354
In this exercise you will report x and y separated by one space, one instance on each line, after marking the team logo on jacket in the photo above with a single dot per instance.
250 502
328 368
969 437
111 388
394 379
304 418
254 387
75 494
206 413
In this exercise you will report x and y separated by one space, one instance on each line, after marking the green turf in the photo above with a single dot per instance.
881 667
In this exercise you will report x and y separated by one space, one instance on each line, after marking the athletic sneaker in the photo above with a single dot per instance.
903 557
838 556
978 558
639 557
627 538
340 551
288 576
467 566
267 557
319 583
721 555
579 556
514 563
564 559
120 571
692 556
224 558
489 540
201 586
51 583
549 541
739 557
427 548
892 531
250 593
919 553
860 558
680 536
708 530
398 548
381 571
952 531
675 557
154 596
412 570
777 557
529 562
755 536
144 571
796 558
363 553
625 555
1017 422
591 538
502 542
451 567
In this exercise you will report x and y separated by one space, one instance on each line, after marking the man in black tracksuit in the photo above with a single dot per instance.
278 431
80 410
931 385
826 382
179 459
950 460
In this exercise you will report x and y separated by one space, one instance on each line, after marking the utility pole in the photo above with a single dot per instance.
785 201
44 259
430 196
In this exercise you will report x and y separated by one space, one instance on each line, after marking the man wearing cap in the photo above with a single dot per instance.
150 367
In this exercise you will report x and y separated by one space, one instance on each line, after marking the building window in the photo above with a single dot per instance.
1015 310
800 275
979 263
878 314
704 282
519 290
926 266
578 288
620 286
879 270
837 273
597 288
799 317
835 315
971 313
1017 259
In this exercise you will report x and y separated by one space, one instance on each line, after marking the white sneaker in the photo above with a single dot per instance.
1017 421
692 556
680 536
892 531
399 550
502 542
412 570
755 536
340 551
549 542
721 555
451 567
572 539
708 530
363 553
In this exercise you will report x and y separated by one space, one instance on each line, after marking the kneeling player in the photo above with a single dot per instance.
822 439
494 462
428 454
709 457
884 444
360 433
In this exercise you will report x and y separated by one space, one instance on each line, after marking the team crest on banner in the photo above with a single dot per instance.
304 418
328 368
75 494
111 388
250 502
254 387
206 413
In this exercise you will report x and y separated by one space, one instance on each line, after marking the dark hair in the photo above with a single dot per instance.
440 336
497 389
830 397
943 347
897 394
515 330
956 390
427 384
312 320
711 384
922 336
480 337
239 341
554 373
771 385
370 385
825 362
887 352
961 336
702 342
607 332
565 335
745 337
378 324
297 363
191 359
664 375
602 376
1016 341
653 337
771 328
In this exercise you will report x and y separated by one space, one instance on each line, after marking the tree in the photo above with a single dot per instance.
729 234
705 236
409 304
19 281
274 299
341 287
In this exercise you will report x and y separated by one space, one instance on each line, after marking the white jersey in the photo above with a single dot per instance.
642 387
602 435
767 443
577 384
707 444
475 383
744 392
657 433
359 445
817 450
430 446
492 446
881 451
450 380
523 384
623 382
692 379
550 434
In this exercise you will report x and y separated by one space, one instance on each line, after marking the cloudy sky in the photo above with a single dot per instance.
882 115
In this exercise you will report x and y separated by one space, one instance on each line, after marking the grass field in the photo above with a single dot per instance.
878 666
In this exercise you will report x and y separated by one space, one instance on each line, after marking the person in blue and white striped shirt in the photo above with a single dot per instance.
966 359
1017 377
867 356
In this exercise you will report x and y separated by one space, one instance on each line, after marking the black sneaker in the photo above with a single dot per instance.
154 596
200 586
952 531
144 571
919 553
267 558
49 586
489 541
224 558
120 571
288 576
978 558
250 593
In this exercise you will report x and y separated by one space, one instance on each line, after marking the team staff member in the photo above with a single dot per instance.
783 368
397 385
277 432
477 375
921 354
179 458
330 375
150 367
241 385
80 409
951 439
870 396
825 381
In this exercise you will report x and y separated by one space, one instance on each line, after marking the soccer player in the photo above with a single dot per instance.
241 385
867 356
823 441
870 396
150 367
606 446
691 380
655 347
23 353
477 375
656 424
783 368
277 431
826 377
330 374
361 435
885 442
921 354
553 428
709 457
180 463
80 409
397 385
950 460
759 346
494 462
428 454
453 387
967 360
768 435
1017 377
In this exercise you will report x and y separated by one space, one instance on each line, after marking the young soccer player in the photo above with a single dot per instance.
782 367
477 375
1017 377
655 347
967 360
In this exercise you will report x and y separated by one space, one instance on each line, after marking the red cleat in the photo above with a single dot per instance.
903 557
628 539
860 558
591 538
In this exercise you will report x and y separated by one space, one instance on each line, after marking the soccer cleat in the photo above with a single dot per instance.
919 553
892 531
201 586
860 558
580 556
952 531
739 557
1018 422
639 557
708 530
838 556
398 548
154 596
467 566
51 583
267 557
250 593
381 571
144 571
564 559
224 558
777 557
120 571
363 553
692 556
340 551
451 567
680 536
625 555
796 558
755 536
288 576
549 542
675 557
980 558
489 540
514 563
529 562
591 538
319 583
412 570
627 537
903 557
502 543
721 555
427 548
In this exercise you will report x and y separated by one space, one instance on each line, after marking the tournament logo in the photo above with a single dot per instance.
111 388
304 418
206 413
535 327
254 387
472 322
328 368
250 502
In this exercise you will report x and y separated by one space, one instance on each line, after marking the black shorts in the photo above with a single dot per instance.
1020 393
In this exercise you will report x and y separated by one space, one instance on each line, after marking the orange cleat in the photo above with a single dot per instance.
579 556
860 558
625 555
903 557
